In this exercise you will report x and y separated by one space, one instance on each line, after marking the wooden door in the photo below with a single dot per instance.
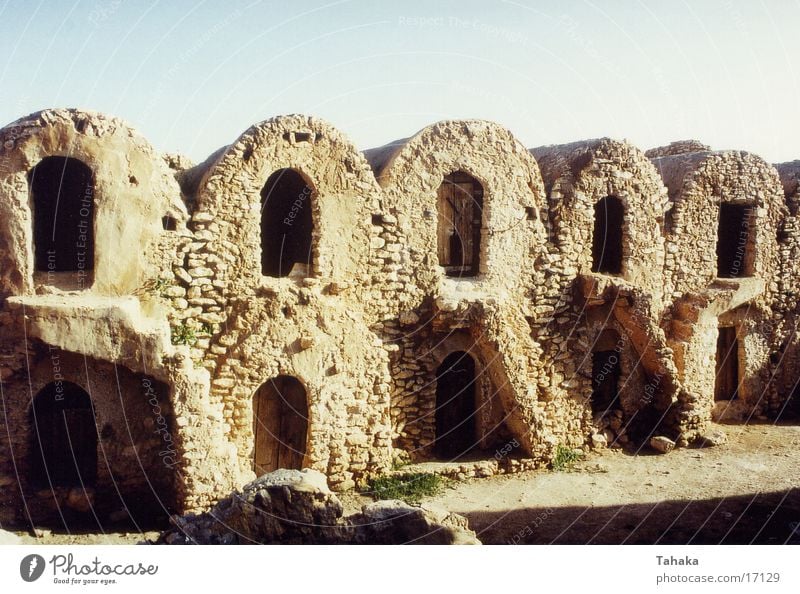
280 425
460 211
727 381
455 406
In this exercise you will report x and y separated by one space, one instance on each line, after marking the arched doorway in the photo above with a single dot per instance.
460 214
286 224
280 425
606 371
726 384
455 406
607 237
63 437
62 197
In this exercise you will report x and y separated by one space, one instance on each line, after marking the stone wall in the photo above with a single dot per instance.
701 302
177 298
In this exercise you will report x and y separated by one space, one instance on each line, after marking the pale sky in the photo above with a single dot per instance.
191 76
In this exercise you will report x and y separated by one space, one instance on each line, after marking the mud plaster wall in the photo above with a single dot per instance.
698 183
136 457
252 327
365 330
495 304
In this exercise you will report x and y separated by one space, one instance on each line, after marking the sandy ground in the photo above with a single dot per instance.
747 491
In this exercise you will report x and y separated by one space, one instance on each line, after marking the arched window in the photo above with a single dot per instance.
286 225
63 437
607 236
280 425
734 258
460 208
62 192
455 406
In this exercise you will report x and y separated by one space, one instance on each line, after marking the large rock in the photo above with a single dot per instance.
661 444
396 522
297 507
286 506
711 438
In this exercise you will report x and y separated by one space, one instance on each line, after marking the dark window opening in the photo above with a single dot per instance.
726 386
606 372
302 137
169 223
286 225
62 193
280 425
733 241
63 437
607 237
460 207
455 406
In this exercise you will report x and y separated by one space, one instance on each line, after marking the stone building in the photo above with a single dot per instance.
171 330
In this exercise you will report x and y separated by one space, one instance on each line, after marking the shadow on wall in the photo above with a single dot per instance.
761 518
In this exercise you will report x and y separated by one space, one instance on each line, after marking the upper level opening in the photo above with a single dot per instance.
62 201
734 241
607 236
460 208
286 225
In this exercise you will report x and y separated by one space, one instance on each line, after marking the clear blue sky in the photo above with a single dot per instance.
191 76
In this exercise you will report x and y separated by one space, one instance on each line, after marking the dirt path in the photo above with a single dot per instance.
745 491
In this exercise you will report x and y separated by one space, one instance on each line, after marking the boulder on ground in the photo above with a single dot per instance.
396 522
297 507
661 444
711 438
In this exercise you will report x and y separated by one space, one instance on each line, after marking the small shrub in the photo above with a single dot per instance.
184 334
409 487
160 285
565 458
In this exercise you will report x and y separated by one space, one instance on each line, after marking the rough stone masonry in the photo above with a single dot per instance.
170 331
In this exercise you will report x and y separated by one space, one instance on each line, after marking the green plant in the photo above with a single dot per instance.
409 487
184 334
160 285
565 457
